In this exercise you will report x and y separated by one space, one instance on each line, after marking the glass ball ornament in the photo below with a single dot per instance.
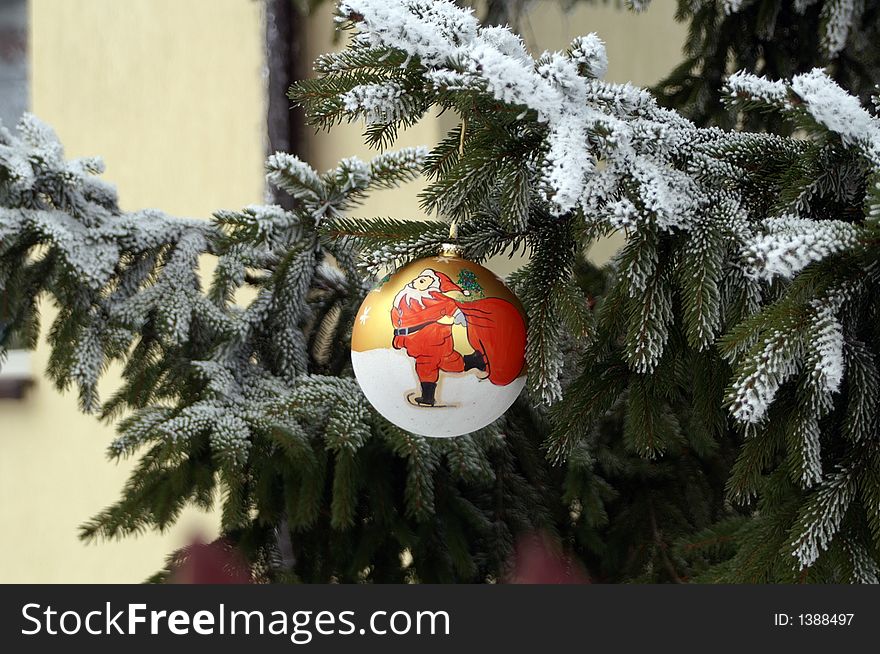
438 347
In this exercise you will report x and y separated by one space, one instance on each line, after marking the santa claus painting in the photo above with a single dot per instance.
446 330
438 347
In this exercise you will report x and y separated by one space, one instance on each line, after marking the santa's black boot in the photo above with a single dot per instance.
475 360
427 396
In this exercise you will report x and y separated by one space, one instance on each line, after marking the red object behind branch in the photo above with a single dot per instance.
537 560
211 563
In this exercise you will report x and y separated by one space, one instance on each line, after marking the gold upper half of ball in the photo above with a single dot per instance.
373 327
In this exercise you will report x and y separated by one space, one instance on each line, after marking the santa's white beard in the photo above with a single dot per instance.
410 293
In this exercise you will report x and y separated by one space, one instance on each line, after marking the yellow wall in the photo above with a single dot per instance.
170 93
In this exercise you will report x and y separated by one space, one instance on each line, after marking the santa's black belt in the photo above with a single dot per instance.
406 331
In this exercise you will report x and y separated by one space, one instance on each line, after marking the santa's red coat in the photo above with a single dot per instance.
494 327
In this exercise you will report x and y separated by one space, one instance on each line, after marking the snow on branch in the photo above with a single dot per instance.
838 17
839 112
820 97
427 29
379 103
809 340
586 118
790 244
743 84
732 6
589 52
826 343
774 363
340 188
822 516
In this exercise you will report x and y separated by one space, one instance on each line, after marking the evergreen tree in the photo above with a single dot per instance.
548 157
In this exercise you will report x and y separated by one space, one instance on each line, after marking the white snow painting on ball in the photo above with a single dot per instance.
381 373
438 347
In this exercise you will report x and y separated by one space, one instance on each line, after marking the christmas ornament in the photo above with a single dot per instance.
438 347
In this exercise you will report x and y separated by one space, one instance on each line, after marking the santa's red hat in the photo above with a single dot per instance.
444 280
